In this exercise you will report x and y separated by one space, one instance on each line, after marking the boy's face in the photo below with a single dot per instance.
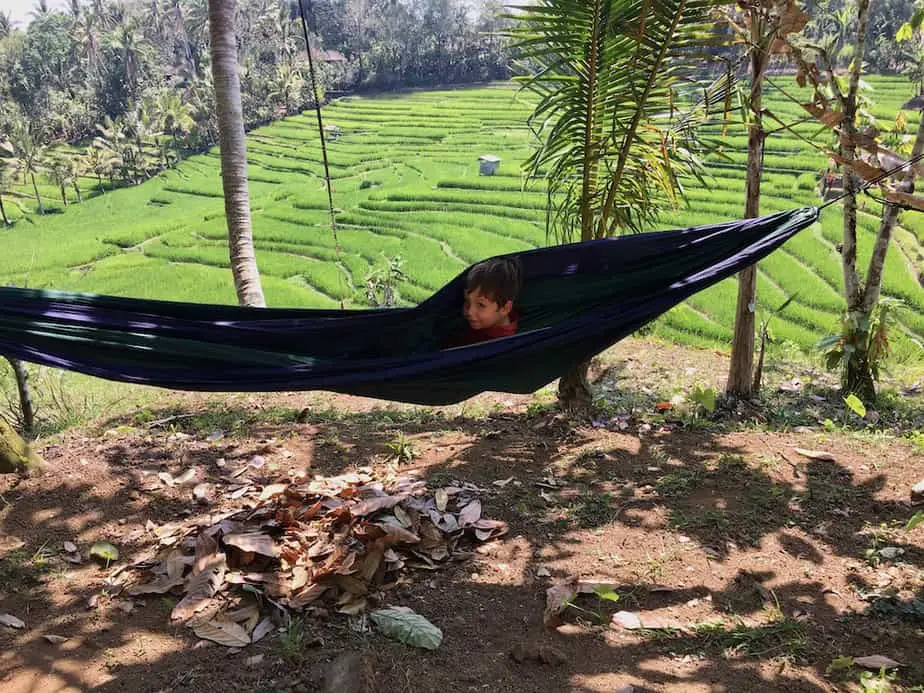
483 312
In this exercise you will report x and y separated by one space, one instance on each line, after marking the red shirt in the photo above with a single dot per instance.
472 336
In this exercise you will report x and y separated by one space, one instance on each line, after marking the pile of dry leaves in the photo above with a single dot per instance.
333 542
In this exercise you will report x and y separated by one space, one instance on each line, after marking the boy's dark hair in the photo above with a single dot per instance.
497 278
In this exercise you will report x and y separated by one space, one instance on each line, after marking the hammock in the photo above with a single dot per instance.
577 300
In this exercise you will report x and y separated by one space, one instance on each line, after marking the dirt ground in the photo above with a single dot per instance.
750 566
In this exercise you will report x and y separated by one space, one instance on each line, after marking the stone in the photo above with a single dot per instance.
627 620
917 492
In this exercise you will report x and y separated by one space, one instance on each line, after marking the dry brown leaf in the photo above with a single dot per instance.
224 633
373 505
55 639
310 594
160 586
557 598
11 621
402 516
470 514
262 544
264 628
906 199
201 586
187 477
876 662
819 455
272 491
441 496
175 564
299 577
166 477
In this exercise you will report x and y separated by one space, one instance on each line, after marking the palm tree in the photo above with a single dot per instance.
29 155
233 152
7 172
6 25
606 73
174 116
40 10
287 85
99 160
61 171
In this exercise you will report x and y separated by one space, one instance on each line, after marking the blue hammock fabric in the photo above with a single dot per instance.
577 300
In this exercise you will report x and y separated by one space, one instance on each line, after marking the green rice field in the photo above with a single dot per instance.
406 183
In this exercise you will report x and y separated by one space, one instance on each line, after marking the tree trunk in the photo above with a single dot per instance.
6 222
858 374
233 152
574 391
740 379
38 198
25 397
16 455
63 194
77 190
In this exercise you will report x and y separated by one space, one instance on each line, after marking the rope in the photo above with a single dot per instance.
865 188
317 103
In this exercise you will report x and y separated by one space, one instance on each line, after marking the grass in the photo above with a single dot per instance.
406 183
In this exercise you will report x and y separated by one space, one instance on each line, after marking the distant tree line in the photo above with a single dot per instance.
130 80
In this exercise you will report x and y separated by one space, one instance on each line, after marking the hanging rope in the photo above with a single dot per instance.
878 179
317 103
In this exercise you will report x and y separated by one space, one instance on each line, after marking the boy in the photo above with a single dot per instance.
491 289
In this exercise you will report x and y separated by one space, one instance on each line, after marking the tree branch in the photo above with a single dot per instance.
887 225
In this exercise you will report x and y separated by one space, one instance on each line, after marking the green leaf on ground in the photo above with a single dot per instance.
404 625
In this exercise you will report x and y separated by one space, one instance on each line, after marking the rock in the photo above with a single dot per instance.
627 620
917 492
350 672
532 651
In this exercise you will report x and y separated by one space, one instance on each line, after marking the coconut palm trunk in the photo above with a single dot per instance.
38 198
233 152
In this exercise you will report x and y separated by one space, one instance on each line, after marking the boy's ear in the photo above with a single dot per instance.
506 308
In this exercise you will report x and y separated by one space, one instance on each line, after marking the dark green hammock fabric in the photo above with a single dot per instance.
577 300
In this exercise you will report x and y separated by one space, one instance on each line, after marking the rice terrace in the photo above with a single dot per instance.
637 523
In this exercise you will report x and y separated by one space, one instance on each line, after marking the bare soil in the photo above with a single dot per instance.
751 566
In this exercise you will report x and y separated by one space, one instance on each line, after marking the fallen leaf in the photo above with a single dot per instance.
404 625
502 482
272 491
207 577
11 621
223 632
104 551
307 595
69 547
401 515
201 492
186 477
442 498
470 514
160 586
55 639
557 598
262 544
264 628
876 662
166 477
373 505
819 455
254 661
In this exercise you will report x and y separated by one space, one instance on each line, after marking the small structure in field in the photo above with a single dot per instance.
332 133
488 164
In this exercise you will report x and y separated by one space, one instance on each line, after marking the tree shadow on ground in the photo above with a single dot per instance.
576 494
